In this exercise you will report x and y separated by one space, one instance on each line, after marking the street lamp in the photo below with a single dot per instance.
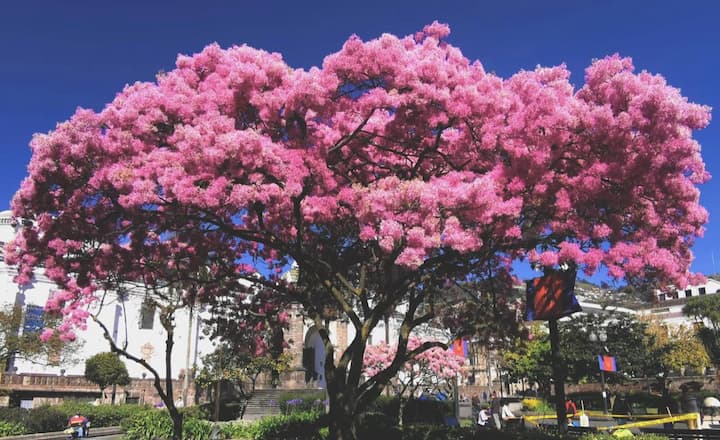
602 337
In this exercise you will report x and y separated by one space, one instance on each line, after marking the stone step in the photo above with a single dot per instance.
265 402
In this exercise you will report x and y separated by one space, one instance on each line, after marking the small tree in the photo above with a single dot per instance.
529 358
18 343
706 309
240 369
684 350
106 369
431 370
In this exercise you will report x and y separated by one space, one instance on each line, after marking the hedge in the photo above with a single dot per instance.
55 418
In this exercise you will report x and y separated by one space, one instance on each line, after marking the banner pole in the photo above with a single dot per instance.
558 376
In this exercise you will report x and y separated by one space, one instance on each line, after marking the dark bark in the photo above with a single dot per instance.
342 416
558 376
165 393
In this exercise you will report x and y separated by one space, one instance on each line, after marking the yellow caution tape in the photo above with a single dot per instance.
692 419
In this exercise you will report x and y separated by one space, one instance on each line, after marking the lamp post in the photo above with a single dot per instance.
601 337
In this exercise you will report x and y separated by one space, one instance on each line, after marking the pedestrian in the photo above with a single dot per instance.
621 409
570 410
483 416
668 406
475 405
496 408
80 423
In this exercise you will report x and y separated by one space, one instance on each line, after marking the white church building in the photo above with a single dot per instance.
134 325
127 317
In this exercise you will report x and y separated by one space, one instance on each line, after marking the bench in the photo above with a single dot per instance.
684 434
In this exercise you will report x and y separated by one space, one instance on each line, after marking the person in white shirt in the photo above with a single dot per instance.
506 413
483 417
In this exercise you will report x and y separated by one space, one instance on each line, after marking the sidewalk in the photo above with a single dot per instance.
60 435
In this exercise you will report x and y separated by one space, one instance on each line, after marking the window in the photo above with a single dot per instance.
33 319
702 291
688 293
147 316
661 297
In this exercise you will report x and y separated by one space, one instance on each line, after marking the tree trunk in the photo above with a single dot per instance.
401 410
558 376
342 409
114 392
342 425
177 419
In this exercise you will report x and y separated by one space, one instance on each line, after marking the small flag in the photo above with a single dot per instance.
551 297
607 363
460 347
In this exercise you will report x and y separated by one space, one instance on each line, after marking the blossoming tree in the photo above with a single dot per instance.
395 168
433 369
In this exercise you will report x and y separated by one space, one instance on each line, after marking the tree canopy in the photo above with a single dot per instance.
706 309
626 339
529 358
395 168
105 369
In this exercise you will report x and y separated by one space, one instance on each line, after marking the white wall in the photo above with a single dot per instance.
148 344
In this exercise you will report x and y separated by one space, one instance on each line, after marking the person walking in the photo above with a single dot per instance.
669 407
621 409
496 408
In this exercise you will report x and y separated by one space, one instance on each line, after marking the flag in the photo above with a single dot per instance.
460 347
551 297
607 363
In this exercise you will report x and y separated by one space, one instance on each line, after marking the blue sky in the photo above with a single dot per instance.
57 55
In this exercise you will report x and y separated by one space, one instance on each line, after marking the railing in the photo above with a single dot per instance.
33 380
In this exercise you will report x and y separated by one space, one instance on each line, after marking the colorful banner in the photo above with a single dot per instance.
607 363
460 347
551 297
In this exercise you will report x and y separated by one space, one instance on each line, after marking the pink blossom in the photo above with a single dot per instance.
394 154
47 334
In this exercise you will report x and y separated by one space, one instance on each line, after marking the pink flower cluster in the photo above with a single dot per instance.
432 366
402 144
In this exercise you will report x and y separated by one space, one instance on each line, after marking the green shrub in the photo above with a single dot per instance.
101 415
294 426
238 430
388 405
148 426
535 404
415 410
307 401
194 429
431 412
45 419
377 425
11 428
14 415
153 424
